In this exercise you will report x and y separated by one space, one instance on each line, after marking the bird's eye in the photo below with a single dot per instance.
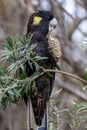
37 20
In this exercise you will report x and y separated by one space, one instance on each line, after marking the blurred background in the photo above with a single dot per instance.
71 30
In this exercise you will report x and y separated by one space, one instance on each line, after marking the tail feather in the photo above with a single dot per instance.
31 124
38 104
44 125
42 128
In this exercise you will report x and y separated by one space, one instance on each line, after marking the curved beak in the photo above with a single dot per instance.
53 24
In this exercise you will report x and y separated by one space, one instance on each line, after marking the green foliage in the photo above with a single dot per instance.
13 84
58 67
83 44
57 119
78 116
74 118
85 73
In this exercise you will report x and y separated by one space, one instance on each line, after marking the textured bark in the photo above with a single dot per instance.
72 54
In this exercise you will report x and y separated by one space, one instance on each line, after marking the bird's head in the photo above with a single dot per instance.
40 21
42 15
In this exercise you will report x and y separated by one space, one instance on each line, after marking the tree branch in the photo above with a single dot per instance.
45 71
72 54
71 88
64 10
65 73
74 25
75 58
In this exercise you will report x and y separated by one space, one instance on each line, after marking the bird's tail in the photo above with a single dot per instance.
31 124
44 125
41 128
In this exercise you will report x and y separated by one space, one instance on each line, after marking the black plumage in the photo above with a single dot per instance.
39 31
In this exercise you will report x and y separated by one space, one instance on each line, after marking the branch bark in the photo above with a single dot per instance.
70 88
74 25
71 52
65 73
75 57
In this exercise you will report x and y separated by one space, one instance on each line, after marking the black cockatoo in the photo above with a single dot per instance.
38 27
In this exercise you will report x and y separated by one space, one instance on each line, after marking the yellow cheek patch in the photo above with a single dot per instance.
37 20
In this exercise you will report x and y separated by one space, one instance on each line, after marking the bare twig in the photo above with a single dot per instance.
45 71
65 73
